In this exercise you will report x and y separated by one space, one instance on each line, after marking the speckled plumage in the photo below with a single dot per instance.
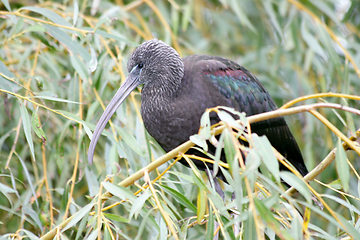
177 91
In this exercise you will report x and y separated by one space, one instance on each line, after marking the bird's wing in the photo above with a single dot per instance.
236 84
238 88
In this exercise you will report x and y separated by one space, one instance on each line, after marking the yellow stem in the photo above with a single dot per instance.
158 204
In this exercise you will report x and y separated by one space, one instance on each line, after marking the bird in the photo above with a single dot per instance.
177 91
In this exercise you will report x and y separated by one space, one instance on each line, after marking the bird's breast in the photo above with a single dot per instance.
171 123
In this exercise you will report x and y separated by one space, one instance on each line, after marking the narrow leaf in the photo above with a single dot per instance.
78 216
7 84
205 125
82 226
27 128
30 235
6 4
264 149
116 217
55 99
76 12
92 65
210 225
201 205
119 191
139 203
179 197
200 141
242 15
342 167
36 126
53 16
27 174
29 211
297 183
114 37
267 216
72 45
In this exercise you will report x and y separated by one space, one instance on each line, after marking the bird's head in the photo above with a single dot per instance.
154 64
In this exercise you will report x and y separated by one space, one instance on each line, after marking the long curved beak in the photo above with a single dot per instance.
131 82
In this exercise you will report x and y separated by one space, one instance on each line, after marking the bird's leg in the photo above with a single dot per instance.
214 183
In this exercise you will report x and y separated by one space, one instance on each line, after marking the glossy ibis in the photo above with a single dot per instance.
177 91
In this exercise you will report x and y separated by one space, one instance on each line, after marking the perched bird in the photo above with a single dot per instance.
177 91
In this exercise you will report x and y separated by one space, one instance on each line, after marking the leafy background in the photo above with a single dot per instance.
62 61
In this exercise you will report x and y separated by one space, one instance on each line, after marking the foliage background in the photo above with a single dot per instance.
62 61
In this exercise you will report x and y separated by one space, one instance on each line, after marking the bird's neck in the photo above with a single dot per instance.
156 102
159 92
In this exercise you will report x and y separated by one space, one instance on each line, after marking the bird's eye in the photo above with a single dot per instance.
140 65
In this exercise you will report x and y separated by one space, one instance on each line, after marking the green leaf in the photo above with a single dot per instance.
186 15
312 42
4 137
139 203
73 46
82 226
130 140
349 228
297 183
106 234
30 212
64 198
210 225
146 222
35 28
25 55
101 22
4 83
253 161
342 167
76 12
55 99
342 202
114 37
6 4
53 16
200 141
5 190
31 235
249 227
205 125
79 215
79 67
175 17
116 217
201 204
267 216
93 62
229 148
119 191
92 182
264 149
268 7
235 6
179 197
27 128
18 27
323 6
93 235
36 126
227 118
